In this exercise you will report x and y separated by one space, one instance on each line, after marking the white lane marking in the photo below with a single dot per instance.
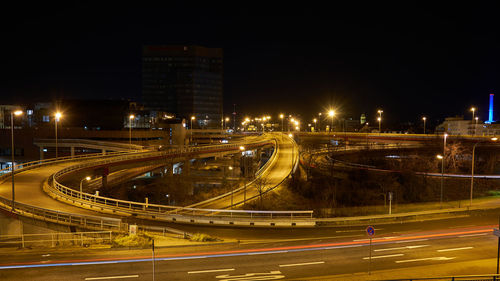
427 259
415 240
252 276
472 235
340 247
401 248
300 264
265 253
455 249
211 270
386 256
388 237
112 277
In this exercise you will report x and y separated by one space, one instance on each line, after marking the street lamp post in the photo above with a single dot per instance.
473 109
58 116
130 118
81 185
242 148
319 127
331 113
12 113
442 170
424 118
379 119
191 130
314 120
472 170
281 117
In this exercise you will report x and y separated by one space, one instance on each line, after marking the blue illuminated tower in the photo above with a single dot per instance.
490 113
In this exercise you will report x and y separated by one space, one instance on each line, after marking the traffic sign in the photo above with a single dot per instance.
370 230
496 232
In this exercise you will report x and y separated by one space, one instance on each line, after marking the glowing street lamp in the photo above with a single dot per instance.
58 116
379 119
12 114
472 170
87 178
424 119
130 118
191 130
282 116
442 168
314 120
331 113
319 127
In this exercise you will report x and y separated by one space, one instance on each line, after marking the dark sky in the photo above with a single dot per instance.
408 58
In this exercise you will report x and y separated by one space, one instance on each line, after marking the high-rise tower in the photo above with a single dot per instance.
184 80
490 112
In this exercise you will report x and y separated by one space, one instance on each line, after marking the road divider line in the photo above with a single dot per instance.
265 253
112 277
301 264
455 249
427 259
211 270
386 256
408 241
472 235
401 248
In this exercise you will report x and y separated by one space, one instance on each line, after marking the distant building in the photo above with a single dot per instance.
184 80
458 126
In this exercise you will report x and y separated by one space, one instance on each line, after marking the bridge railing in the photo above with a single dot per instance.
6 172
155 209
84 221
63 142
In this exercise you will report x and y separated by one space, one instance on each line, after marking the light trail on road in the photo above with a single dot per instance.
262 251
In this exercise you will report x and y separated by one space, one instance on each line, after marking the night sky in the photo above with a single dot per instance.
408 58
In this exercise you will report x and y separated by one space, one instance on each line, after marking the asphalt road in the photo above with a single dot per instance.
272 260
274 175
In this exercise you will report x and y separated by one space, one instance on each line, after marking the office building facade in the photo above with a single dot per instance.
186 81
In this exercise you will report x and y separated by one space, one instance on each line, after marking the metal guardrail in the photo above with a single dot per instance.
6 172
130 207
57 239
95 143
84 221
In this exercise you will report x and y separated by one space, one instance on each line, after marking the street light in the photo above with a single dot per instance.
242 148
87 178
281 117
379 119
319 127
472 170
227 120
12 113
331 113
442 169
314 120
58 116
191 130
424 118
130 118
473 109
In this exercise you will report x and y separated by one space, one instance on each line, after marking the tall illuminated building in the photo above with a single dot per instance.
184 80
